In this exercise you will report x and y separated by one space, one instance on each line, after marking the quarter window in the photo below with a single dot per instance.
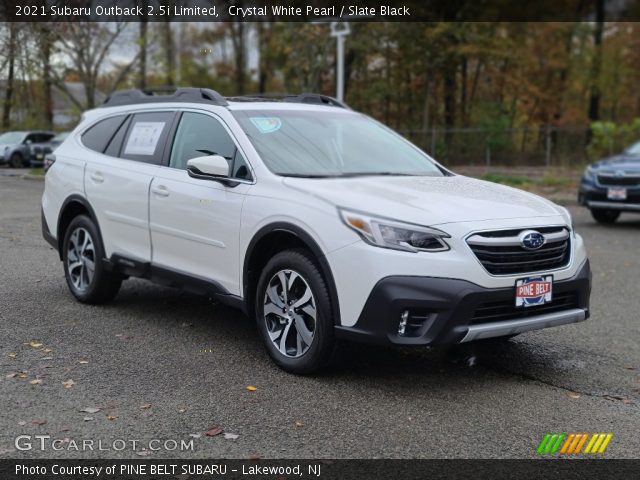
99 135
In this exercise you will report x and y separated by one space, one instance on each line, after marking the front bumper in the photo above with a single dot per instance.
447 311
594 196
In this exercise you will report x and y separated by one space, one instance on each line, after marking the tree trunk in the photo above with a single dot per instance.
596 64
449 100
144 23
47 78
169 53
237 38
8 93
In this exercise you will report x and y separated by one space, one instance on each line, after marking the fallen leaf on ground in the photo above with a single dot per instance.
11 375
87 419
299 424
573 395
629 367
83 362
182 410
627 401
13 354
213 431
90 410
23 375
195 435
39 421
68 383
251 388
254 456
46 350
22 423
111 417
231 436
145 406
35 344
36 381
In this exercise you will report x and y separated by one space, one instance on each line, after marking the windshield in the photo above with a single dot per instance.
633 150
12 137
330 144
59 138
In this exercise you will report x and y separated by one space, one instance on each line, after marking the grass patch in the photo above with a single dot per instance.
522 181
36 171
515 180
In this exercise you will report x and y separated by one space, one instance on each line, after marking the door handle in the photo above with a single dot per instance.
97 177
160 190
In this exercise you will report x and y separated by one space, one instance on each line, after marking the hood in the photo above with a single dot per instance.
427 200
619 162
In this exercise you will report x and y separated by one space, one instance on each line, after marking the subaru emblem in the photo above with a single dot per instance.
531 240
619 173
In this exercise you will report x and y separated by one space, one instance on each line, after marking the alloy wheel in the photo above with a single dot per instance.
81 259
290 313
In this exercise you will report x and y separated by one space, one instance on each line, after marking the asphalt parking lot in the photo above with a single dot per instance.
162 364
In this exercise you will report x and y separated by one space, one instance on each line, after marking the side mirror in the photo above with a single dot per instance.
209 167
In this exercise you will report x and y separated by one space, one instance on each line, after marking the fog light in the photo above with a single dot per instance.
403 322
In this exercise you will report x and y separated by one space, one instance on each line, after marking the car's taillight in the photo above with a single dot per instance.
49 159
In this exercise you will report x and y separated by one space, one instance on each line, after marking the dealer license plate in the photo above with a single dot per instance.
533 291
617 194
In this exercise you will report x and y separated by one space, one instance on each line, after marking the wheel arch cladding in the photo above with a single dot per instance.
72 207
275 238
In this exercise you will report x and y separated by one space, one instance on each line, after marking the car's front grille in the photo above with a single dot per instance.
506 309
502 253
624 181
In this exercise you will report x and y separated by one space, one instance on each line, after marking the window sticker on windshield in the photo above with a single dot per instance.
144 138
266 124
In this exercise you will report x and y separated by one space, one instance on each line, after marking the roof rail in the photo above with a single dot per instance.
313 98
186 94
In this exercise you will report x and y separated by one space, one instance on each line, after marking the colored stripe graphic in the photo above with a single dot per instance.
572 443
551 442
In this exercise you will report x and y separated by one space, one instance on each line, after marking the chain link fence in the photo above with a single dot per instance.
541 147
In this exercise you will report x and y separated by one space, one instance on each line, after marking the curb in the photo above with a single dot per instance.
33 177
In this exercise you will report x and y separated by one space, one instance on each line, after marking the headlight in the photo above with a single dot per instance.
567 216
388 233
589 172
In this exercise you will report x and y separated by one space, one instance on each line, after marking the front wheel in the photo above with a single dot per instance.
293 312
605 216
82 254
16 160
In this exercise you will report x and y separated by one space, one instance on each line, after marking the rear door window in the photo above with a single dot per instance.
146 137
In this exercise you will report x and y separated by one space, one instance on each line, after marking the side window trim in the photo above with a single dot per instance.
171 136
238 149
124 125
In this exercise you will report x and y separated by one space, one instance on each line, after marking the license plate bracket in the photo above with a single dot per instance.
534 290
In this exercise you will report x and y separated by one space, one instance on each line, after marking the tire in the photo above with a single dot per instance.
16 160
605 216
81 248
299 339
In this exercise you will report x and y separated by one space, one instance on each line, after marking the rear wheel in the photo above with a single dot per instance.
16 160
293 312
82 254
605 216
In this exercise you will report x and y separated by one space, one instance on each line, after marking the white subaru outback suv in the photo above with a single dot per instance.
316 220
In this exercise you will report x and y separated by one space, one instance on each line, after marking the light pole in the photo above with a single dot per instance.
340 30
